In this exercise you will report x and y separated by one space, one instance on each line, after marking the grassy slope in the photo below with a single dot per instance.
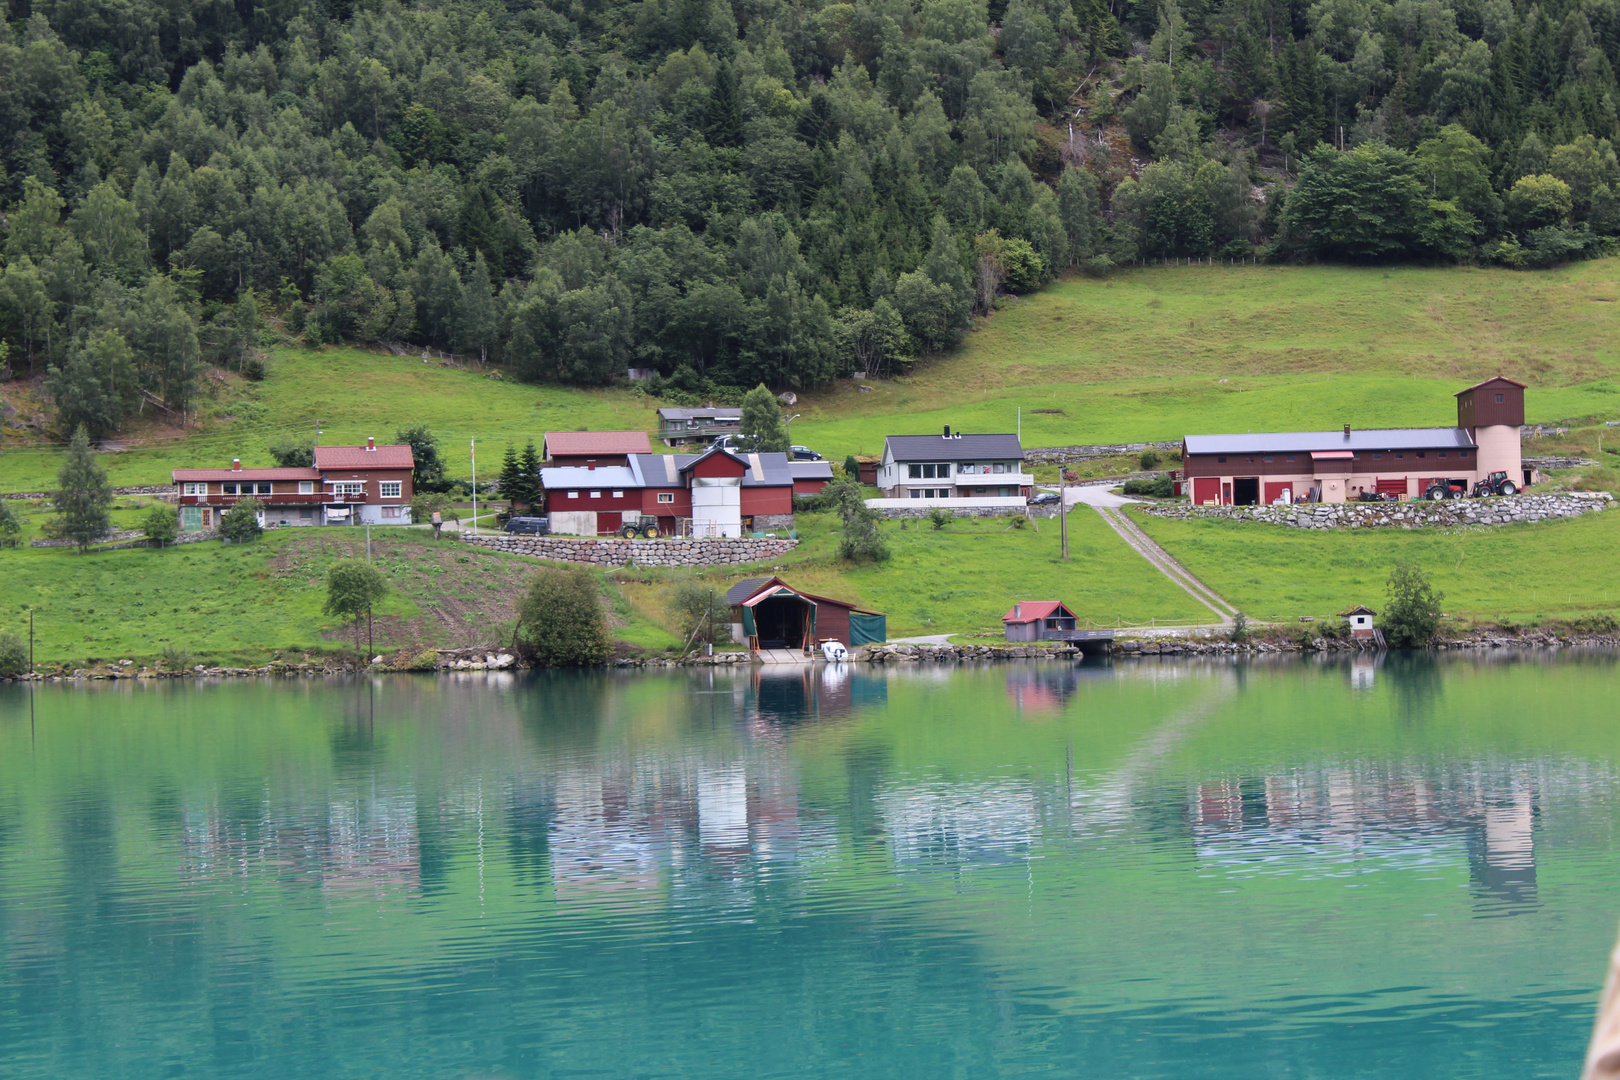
1140 356
1517 573
962 578
236 604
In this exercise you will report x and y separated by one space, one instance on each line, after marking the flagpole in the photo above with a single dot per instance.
472 455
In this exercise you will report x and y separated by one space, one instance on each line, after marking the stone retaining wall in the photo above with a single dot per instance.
617 552
912 513
141 489
1058 455
1409 515
130 538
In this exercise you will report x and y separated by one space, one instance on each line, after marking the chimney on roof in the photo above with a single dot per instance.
1347 431
947 431
1018 611
590 466
236 464
371 443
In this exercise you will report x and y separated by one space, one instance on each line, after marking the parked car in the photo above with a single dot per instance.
528 526
803 453
1043 498
729 442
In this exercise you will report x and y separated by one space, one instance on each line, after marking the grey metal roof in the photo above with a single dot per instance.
719 412
574 477
744 589
811 470
664 470
1305 442
955 448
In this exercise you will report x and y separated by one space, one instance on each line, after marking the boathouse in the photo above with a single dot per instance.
768 613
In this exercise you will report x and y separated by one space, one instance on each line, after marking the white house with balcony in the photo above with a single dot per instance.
952 470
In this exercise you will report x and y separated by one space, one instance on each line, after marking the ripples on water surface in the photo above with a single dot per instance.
1152 870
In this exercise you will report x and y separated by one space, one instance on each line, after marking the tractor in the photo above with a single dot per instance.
639 525
1495 484
1445 489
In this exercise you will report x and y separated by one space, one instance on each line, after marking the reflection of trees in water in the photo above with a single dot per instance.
1414 677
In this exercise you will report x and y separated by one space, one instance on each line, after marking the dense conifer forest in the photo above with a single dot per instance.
734 193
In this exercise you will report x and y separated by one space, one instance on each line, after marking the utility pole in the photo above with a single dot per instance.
472 455
1063 513
368 542
317 431
30 639
369 650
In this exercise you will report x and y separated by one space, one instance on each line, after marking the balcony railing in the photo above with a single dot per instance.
696 431
279 498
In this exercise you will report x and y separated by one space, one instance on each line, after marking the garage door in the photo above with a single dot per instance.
1392 486
573 522
1206 489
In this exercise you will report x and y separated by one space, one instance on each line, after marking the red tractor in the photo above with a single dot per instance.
1495 484
1446 489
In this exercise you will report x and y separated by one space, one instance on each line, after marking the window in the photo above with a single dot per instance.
1462 453
1268 461
306 487
1000 468
913 472
1290 457
1250 460
666 496
344 488
1221 460
191 517
391 511
596 494
1378 457
618 494
228 489
389 489
916 493
1499 399
1420 453
1399 456
193 489
263 489
573 494
305 513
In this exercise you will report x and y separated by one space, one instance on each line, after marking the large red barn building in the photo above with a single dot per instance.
1336 466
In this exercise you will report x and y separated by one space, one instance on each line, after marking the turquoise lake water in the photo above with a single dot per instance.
1154 869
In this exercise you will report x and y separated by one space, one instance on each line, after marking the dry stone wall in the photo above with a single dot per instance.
617 552
1505 510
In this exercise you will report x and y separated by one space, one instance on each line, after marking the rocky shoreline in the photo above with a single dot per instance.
453 661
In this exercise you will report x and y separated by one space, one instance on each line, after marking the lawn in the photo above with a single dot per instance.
1510 573
961 579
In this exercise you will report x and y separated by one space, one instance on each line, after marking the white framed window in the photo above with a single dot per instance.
193 489
263 488
230 489
341 488
306 487
666 496
596 494
573 494
389 489
618 494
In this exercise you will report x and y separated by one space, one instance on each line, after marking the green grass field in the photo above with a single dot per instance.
1510 573
1147 354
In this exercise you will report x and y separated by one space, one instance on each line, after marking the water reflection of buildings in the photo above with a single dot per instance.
1342 820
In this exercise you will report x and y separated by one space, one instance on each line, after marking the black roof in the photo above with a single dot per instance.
744 589
955 447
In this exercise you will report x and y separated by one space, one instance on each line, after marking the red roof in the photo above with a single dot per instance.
584 443
1033 611
358 457
194 475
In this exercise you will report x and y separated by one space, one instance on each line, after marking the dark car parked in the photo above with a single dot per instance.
1044 498
531 526
803 453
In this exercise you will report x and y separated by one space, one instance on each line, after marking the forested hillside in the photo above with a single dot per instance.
736 193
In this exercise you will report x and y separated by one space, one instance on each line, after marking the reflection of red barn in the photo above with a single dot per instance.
768 613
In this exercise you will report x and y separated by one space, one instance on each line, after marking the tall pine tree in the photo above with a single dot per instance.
83 495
